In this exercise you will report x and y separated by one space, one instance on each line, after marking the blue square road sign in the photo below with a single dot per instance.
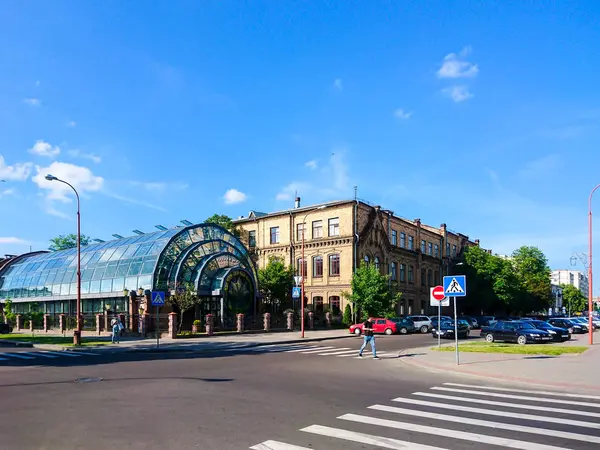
158 298
296 292
455 286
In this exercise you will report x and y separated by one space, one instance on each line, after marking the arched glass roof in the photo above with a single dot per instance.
150 261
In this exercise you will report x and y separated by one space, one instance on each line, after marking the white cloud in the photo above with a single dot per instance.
233 196
13 240
402 114
281 196
16 172
94 158
311 164
31 101
454 66
160 186
72 124
7 192
541 167
80 177
43 148
458 93
338 84
133 201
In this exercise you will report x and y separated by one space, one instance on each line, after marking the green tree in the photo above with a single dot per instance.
225 222
8 312
65 242
531 268
276 281
347 317
184 299
573 298
371 293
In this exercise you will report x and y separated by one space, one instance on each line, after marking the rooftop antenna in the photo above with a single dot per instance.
161 227
118 236
138 232
355 193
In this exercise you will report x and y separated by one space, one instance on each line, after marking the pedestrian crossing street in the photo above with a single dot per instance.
458 416
38 356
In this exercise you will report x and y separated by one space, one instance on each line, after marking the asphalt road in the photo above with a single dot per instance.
266 398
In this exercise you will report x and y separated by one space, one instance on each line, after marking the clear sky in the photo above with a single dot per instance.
482 115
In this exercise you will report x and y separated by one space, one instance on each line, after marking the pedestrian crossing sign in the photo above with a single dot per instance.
455 286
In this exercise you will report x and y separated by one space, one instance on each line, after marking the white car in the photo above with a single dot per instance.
422 323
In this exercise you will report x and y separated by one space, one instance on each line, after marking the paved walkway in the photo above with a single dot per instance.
576 372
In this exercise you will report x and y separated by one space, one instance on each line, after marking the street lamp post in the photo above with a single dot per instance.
590 290
304 270
77 332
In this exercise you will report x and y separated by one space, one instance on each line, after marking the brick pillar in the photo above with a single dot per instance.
19 318
62 323
290 321
210 324
31 324
311 320
106 328
172 325
267 322
46 320
240 323
143 324
329 319
99 323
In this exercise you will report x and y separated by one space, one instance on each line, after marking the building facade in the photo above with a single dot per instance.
339 235
573 277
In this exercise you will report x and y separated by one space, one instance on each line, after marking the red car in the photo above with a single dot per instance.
381 326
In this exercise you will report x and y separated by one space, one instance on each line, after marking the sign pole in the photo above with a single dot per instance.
439 323
157 329
456 332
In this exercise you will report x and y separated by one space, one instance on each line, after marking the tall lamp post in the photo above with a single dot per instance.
304 269
77 332
590 290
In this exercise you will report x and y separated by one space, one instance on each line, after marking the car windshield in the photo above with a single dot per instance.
525 326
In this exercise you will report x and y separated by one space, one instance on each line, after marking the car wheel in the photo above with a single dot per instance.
357 331
389 331
424 329
467 333
489 337
522 340
403 330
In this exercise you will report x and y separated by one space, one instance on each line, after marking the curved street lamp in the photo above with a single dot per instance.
77 332
590 291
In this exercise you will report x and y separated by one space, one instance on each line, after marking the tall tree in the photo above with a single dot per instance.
573 298
531 267
371 293
64 242
225 222
184 299
276 281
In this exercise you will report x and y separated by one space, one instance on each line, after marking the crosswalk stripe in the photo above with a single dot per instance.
448 433
337 351
82 353
492 412
509 405
276 445
525 391
64 353
304 348
318 350
488 423
345 352
19 356
368 439
45 355
517 397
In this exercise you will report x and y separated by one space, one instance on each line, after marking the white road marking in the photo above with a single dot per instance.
447 433
276 445
45 355
337 351
304 348
518 397
488 424
80 353
492 412
319 350
526 391
368 439
17 355
509 405
65 353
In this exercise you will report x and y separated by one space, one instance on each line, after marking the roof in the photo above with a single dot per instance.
252 215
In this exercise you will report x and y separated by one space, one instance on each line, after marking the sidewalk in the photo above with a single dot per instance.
566 372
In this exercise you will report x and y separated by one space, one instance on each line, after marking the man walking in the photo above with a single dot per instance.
368 338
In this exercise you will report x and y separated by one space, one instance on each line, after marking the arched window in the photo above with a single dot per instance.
366 259
334 265
377 263
334 304
317 267
318 303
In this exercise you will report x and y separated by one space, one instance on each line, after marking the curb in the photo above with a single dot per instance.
11 343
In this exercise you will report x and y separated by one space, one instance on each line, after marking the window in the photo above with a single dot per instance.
318 304
403 272
436 278
334 304
252 238
447 250
300 229
430 278
317 229
393 271
334 265
411 274
334 226
301 267
318 267
377 263
394 237
429 248
454 251
402 240
423 274
422 246
274 235
411 243
436 251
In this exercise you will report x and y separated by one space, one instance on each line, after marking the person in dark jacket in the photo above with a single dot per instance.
368 338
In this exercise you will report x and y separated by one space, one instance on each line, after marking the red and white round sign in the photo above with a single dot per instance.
438 293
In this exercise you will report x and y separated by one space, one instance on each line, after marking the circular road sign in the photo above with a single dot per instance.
438 293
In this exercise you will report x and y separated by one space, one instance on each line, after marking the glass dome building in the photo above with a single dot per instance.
206 256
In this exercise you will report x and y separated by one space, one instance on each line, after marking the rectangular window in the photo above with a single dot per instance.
301 267
318 303
429 248
334 303
274 235
393 272
411 274
317 229
334 265
436 251
318 267
447 250
423 277
411 243
394 237
300 229
423 247
402 240
403 272
334 226
252 238
454 251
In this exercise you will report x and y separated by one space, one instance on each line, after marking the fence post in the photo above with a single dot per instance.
290 321
267 322
210 324
46 317
329 319
311 320
240 323
106 321
19 318
31 324
99 323
62 323
172 325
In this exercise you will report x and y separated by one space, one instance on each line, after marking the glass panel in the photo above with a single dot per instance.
96 257
95 287
85 287
106 285
117 254
129 252
145 282
73 289
98 273
148 266
118 284
64 289
131 283
143 249
135 267
70 276
107 254
123 268
111 269
86 257
56 289
87 274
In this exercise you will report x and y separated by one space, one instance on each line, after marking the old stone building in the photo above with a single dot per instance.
339 235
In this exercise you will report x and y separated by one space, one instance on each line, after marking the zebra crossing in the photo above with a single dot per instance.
458 416
304 349
11 357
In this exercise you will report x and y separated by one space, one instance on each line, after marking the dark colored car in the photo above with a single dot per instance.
5 328
473 322
446 329
404 325
572 326
515 331
558 334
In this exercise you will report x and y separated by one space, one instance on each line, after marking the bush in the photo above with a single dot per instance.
197 323
347 318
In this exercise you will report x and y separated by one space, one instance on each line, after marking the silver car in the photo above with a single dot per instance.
422 323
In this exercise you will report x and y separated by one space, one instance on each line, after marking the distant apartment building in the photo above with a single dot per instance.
573 277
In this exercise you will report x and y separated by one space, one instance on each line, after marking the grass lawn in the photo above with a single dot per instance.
529 349
57 340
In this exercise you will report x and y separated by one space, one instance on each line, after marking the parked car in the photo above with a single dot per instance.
422 323
572 326
473 323
585 321
558 334
5 328
404 325
515 331
485 321
380 326
446 329
434 320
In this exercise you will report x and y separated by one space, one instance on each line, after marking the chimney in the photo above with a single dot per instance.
297 203
477 242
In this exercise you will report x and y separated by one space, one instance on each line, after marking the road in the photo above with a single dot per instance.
315 397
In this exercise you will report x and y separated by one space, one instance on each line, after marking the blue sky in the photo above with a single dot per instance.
483 117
